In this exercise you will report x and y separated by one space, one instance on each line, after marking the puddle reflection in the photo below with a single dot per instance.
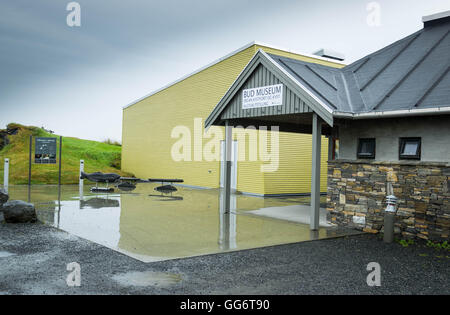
98 203
153 227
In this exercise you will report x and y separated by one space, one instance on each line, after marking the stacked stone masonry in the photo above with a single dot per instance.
357 192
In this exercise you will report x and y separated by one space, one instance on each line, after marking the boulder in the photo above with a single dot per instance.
3 197
17 211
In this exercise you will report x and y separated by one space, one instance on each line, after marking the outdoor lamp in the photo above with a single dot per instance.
391 202
389 218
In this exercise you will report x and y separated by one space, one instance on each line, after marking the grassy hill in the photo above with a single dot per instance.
97 156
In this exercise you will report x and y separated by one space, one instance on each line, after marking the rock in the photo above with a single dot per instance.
336 173
369 230
17 211
3 197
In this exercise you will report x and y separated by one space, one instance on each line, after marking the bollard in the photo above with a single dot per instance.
389 219
81 180
6 175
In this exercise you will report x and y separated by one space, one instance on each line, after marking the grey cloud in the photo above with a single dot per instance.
144 44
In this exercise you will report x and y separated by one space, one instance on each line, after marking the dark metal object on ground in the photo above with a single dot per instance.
102 189
126 186
166 189
128 183
98 203
163 180
133 180
98 177
123 183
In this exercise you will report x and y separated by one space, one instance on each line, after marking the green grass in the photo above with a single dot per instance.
97 156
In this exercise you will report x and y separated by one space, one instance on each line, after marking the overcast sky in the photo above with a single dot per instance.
75 80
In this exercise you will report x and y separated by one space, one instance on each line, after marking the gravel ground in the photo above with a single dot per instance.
33 260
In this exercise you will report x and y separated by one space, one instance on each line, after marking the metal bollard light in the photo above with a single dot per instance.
389 219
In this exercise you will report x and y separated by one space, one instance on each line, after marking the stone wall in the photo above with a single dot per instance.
357 191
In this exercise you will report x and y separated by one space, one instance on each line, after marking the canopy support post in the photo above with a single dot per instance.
315 172
227 171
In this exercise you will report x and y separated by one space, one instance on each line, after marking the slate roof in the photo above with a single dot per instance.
412 73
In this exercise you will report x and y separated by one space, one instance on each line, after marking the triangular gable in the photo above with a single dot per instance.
261 71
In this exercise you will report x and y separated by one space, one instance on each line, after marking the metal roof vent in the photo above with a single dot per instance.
434 19
330 54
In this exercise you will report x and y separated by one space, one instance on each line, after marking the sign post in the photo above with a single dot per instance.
60 155
29 162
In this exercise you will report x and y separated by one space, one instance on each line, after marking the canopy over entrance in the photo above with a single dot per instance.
266 94
407 78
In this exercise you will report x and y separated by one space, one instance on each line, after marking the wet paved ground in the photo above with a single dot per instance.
150 227
37 257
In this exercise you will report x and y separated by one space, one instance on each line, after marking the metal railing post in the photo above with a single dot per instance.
81 184
6 175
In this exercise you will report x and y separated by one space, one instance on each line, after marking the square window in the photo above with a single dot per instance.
410 148
366 148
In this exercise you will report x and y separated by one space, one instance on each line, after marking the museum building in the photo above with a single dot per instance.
377 127
150 125
390 112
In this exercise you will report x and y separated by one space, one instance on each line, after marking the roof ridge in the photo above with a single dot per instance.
347 92
303 62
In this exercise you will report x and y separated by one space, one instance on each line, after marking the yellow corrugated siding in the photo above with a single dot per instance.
294 171
147 127
249 179
148 124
